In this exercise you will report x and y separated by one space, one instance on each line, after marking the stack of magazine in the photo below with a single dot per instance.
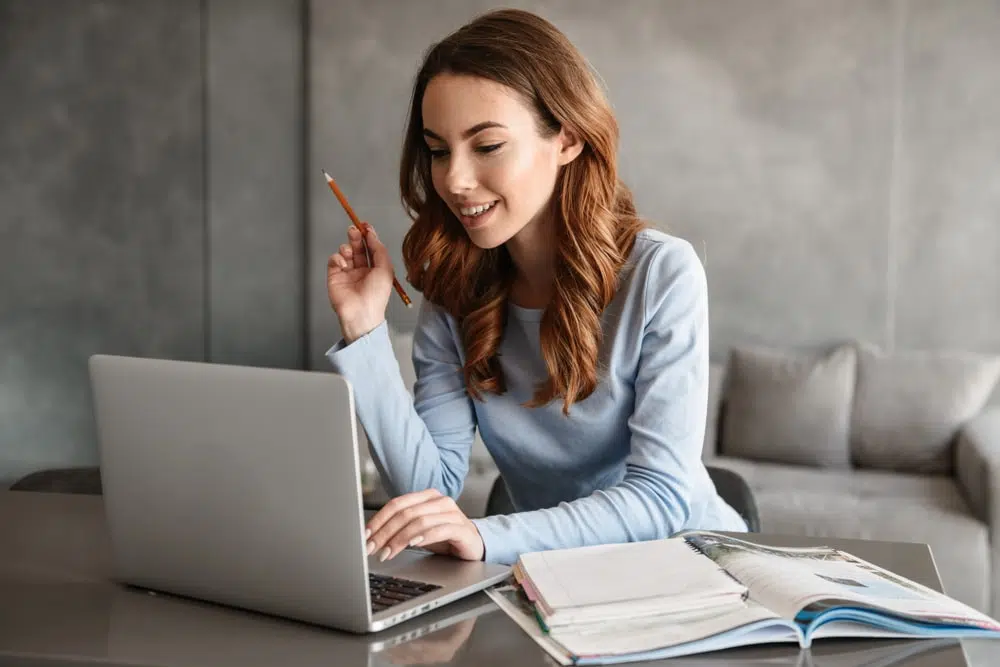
703 591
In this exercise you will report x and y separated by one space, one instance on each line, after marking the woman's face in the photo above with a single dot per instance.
489 163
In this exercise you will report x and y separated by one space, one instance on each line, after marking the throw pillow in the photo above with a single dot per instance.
789 406
909 406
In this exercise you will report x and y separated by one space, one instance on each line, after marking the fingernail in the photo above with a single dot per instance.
385 554
416 540
368 533
370 548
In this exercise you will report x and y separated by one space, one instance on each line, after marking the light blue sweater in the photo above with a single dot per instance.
624 466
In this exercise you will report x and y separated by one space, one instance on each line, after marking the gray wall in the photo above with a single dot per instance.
835 163
150 200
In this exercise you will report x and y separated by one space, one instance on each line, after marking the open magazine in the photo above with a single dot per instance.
620 603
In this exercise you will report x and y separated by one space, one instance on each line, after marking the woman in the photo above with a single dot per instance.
574 337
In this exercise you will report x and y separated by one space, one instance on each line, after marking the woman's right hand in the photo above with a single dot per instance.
359 293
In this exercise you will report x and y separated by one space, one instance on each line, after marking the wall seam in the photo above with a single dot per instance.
900 28
206 187
306 237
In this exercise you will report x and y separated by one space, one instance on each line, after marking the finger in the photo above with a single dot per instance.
398 523
423 530
364 234
347 253
449 526
360 256
336 262
399 503
396 513
378 252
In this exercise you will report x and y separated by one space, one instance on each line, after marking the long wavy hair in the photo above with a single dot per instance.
595 217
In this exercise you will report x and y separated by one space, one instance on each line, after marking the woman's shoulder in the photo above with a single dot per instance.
663 255
663 271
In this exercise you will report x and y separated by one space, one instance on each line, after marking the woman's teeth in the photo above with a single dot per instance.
476 210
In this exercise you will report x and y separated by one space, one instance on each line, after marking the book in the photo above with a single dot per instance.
703 591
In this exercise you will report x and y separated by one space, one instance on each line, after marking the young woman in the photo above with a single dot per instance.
574 337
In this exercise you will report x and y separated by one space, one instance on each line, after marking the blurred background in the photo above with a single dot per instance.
835 164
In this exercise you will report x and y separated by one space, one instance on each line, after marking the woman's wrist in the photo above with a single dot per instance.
355 330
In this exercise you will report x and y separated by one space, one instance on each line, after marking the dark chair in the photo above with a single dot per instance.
498 501
730 485
735 491
62 480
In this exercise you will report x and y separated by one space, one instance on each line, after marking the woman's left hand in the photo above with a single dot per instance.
427 519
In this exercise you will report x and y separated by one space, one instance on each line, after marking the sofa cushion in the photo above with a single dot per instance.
877 505
789 406
909 406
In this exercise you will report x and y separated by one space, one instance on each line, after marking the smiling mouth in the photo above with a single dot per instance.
476 211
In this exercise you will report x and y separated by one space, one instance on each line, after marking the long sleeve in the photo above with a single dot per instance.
663 469
418 442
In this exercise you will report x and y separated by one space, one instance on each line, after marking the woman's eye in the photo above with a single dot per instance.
490 148
437 153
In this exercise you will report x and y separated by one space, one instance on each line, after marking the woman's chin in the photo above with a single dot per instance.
486 239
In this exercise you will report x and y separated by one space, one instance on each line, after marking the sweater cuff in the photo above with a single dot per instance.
356 357
496 548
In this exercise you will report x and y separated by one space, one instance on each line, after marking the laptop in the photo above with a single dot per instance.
240 485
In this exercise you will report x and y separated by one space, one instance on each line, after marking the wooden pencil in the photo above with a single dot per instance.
357 223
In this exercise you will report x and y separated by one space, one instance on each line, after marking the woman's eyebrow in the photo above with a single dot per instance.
475 129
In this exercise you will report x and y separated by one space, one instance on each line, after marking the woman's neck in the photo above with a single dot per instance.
533 252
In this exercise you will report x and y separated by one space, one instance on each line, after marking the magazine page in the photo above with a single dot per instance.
800 584
676 634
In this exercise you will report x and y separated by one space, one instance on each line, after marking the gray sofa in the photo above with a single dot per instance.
854 442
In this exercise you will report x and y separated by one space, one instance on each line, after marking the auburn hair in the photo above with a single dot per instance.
595 218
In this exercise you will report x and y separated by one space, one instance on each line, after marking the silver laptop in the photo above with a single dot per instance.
241 485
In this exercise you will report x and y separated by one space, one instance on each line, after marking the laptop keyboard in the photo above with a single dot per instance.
388 591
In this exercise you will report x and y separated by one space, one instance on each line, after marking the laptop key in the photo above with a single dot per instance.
386 591
395 595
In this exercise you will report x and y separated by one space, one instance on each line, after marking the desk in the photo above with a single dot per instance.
57 603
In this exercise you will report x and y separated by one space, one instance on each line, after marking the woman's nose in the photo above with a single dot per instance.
461 176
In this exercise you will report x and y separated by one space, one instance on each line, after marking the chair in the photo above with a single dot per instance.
83 480
730 485
498 501
735 491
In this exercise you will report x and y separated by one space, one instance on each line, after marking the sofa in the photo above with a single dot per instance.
853 441
850 441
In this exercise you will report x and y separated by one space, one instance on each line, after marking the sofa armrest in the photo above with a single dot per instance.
977 463
977 470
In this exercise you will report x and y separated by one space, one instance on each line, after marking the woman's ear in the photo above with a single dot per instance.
570 146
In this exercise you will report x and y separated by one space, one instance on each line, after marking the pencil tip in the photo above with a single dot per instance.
326 174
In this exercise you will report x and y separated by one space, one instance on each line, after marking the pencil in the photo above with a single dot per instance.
357 223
